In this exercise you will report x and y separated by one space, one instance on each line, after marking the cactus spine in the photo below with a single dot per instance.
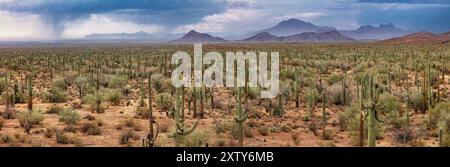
240 116
178 114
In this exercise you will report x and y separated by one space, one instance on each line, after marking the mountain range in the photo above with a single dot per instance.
291 30
330 36
420 38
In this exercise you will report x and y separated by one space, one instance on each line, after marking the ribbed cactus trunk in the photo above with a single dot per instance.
194 102
30 93
441 144
202 105
178 114
324 115
240 117
152 135
371 133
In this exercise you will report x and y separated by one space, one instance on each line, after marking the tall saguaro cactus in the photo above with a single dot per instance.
240 116
149 141
178 115
369 100
30 93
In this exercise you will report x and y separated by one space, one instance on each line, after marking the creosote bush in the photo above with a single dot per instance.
69 117
29 118
56 95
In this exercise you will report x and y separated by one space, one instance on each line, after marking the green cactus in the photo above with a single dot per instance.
150 139
278 110
178 113
324 115
344 90
30 94
310 102
296 89
369 100
241 115
441 144
142 95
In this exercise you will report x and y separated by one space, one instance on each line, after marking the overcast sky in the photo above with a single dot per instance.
71 19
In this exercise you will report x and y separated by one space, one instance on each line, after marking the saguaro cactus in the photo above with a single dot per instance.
369 103
30 93
324 115
240 116
178 113
151 137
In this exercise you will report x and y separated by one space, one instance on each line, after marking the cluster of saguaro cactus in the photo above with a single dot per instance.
150 139
178 114
241 115
429 97
369 100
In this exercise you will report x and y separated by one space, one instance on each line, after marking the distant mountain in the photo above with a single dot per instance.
262 37
137 36
330 36
291 27
419 38
194 36
383 31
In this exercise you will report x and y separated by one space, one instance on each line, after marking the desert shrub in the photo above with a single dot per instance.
50 132
58 82
335 94
288 74
70 77
334 78
142 113
69 117
3 85
55 95
6 138
253 93
264 131
196 139
117 81
2 121
82 83
416 102
248 132
61 137
92 100
55 109
27 119
161 83
113 96
286 88
390 106
90 128
295 138
349 120
125 136
438 114
164 101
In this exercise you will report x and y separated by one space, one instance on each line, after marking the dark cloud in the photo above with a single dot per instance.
407 1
